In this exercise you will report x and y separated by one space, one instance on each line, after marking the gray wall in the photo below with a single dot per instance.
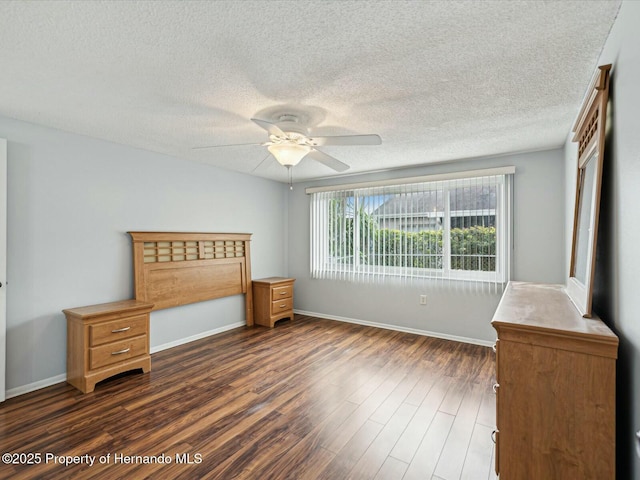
616 298
539 256
71 200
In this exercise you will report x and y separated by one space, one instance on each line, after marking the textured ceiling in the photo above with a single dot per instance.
437 80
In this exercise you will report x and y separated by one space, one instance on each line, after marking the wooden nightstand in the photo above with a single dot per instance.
272 300
106 339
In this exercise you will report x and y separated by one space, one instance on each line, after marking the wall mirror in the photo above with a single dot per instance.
589 132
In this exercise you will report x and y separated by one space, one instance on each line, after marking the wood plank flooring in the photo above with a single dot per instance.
309 399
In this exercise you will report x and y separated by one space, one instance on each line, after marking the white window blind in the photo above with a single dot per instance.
452 229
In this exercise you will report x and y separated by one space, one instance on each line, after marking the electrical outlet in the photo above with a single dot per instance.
423 299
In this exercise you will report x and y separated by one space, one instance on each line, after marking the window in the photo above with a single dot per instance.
451 227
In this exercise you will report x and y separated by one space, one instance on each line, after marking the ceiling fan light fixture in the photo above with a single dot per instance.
288 154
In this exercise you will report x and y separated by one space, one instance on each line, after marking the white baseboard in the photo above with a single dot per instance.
47 382
21 390
426 333
32 387
182 341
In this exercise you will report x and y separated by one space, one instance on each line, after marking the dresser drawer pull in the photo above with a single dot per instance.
283 306
120 352
283 293
118 330
495 387
493 435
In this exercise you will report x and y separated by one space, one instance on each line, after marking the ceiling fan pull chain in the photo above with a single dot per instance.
290 177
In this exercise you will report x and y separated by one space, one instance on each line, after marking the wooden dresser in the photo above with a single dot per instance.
272 300
555 388
106 339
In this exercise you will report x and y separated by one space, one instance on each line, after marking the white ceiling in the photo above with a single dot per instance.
437 80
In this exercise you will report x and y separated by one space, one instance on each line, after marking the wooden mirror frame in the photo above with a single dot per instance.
590 133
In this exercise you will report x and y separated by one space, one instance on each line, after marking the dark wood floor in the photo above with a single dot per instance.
309 399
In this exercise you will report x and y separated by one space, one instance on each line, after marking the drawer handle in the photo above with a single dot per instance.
495 350
495 387
118 330
120 352
493 436
283 306
283 293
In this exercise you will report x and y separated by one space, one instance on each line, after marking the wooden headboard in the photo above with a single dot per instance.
172 268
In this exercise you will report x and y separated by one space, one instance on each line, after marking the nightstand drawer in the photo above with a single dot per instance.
286 291
283 305
117 330
117 352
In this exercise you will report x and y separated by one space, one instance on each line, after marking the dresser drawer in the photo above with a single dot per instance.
117 351
286 291
281 305
120 329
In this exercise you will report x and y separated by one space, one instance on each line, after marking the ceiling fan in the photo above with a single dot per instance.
290 141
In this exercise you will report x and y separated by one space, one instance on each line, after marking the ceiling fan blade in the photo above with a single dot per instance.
327 160
269 127
261 162
228 145
347 140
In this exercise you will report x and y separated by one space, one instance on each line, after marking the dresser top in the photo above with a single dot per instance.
547 309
